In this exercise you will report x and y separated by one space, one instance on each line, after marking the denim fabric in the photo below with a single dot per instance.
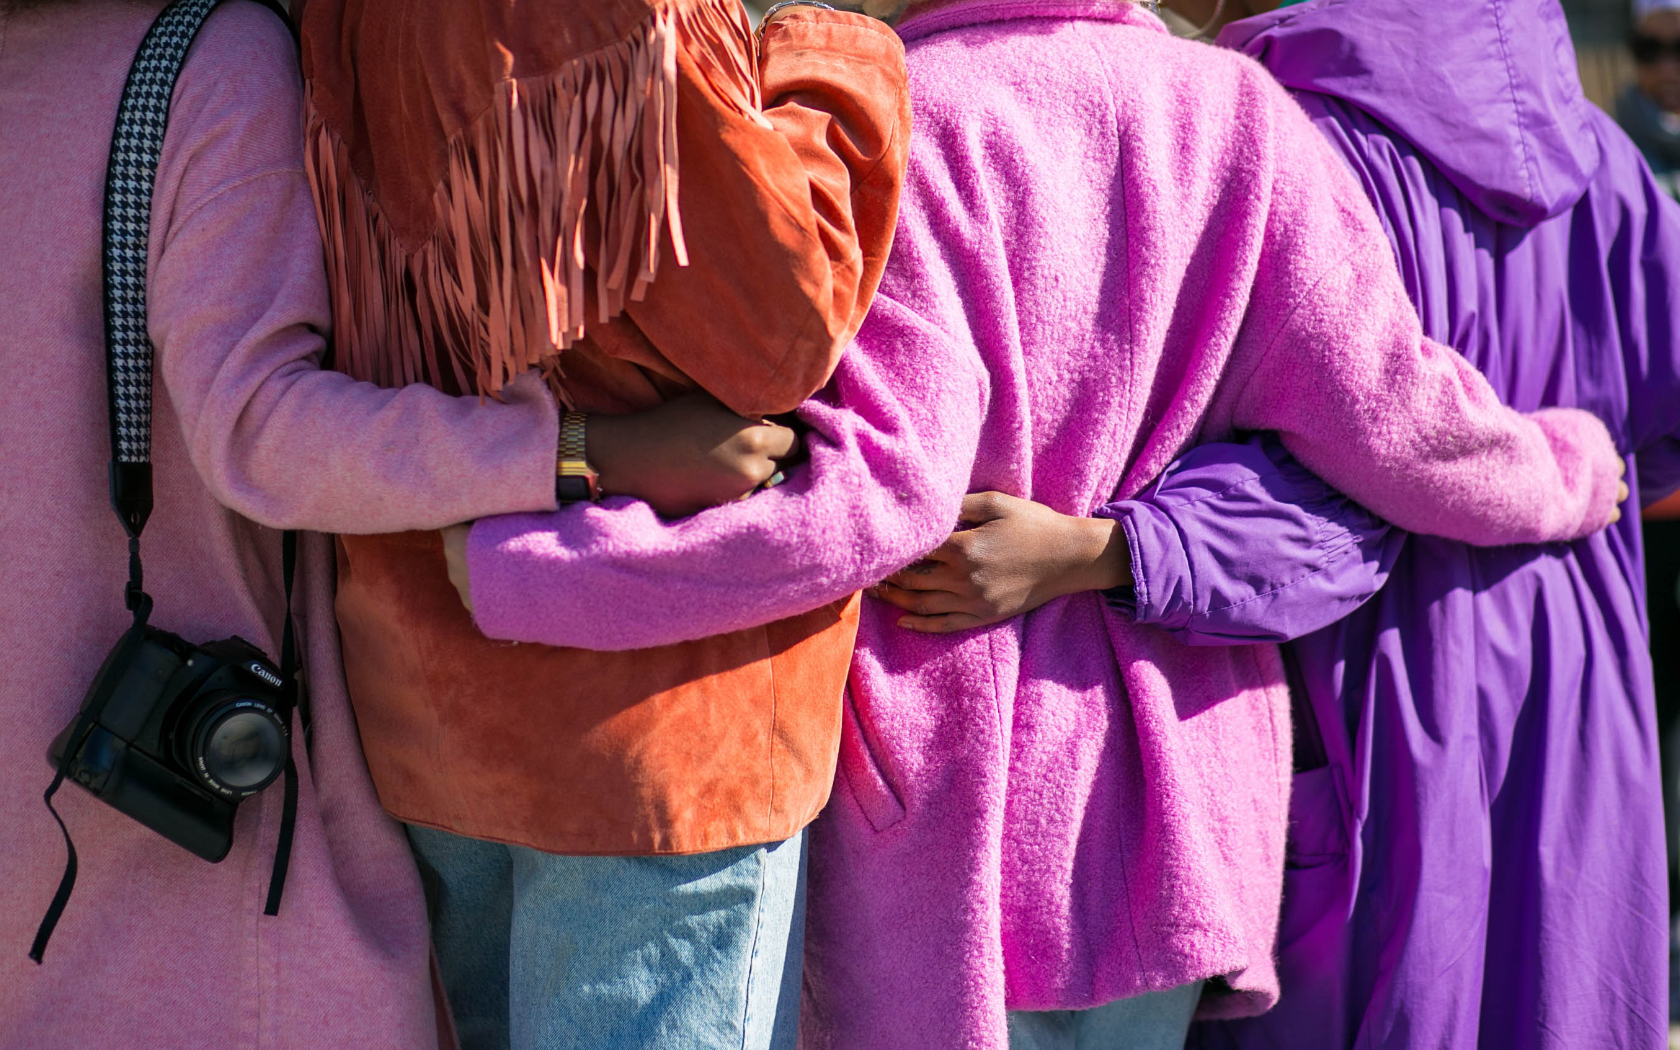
1153 1021
547 952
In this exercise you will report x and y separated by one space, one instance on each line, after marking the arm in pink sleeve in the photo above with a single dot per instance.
1333 358
238 311
892 446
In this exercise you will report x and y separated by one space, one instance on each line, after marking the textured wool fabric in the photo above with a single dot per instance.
1064 810
158 949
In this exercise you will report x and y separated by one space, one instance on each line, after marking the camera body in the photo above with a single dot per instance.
182 734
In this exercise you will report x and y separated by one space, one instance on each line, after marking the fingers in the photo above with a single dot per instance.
922 603
929 574
455 560
981 507
947 623
776 441
1622 494
886 10
753 456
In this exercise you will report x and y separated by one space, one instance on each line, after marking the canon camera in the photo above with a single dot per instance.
182 734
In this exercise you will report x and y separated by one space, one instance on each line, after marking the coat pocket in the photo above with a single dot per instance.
1317 881
865 775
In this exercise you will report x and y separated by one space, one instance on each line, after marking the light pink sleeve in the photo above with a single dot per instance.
238 313
1333 358
892 446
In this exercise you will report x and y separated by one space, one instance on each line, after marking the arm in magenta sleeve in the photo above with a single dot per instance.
891 448
1239 543
237 304
1332 357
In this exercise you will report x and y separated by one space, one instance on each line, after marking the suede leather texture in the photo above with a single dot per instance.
730 740
687 748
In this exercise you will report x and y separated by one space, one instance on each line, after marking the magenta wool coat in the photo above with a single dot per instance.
1148 246
1113 245
160 950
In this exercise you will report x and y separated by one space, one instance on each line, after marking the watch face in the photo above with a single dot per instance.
571 489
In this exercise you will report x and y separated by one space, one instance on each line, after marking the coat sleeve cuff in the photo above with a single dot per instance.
1162 591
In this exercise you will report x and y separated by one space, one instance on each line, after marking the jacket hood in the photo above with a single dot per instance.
1487 90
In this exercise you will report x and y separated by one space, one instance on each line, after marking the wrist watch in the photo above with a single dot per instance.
575 481
770 13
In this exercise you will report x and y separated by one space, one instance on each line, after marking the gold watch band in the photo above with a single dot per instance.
572 467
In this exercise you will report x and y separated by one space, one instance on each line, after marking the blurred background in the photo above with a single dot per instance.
1601 28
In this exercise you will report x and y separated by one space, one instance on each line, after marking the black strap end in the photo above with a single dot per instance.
131 495
283 845
66 882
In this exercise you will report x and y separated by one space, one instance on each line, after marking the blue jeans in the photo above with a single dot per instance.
546 952
1152 1021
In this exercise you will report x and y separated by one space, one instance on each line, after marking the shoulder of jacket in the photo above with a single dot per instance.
243 46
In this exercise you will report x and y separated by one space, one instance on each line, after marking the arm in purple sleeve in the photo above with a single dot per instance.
893 443
1642 260
1240 543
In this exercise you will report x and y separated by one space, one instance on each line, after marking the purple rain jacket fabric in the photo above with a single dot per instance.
1476 854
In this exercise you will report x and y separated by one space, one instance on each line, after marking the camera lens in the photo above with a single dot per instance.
238 746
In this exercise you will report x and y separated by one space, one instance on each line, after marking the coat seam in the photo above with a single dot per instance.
1132 410
223 190
1226 491
758 935
1516 106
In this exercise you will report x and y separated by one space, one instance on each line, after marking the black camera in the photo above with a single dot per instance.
182 734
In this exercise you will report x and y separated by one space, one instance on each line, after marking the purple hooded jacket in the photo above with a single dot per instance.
1476 852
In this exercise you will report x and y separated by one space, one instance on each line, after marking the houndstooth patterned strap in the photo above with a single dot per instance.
142 117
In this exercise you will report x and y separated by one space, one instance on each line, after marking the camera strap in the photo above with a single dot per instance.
130 175
290 693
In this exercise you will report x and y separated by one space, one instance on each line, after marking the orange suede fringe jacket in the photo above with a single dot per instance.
631 197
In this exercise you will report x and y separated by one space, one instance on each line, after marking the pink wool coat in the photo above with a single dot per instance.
160 950
1113 245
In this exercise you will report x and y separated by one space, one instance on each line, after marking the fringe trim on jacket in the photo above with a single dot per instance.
588 150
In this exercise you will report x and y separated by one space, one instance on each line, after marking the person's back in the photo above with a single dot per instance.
158 948
1040 275
635 200
1492 867
1147 247
652 207
187 932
